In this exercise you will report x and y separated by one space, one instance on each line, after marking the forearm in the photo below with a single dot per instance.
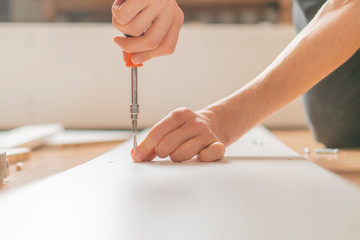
328 41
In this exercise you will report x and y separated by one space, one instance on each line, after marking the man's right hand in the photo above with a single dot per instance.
161 20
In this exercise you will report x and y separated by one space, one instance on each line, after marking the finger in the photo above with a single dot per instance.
135 60
124 12
140 23
152 37
171 122
117 4
116 24
126 56
190 148
176 138
166 47
151 156
213 152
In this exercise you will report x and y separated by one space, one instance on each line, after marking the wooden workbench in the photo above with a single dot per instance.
49 161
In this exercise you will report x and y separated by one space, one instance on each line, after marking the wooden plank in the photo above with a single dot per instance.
48 161
15 155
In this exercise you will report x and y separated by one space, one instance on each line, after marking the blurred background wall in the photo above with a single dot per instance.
59 63
208 11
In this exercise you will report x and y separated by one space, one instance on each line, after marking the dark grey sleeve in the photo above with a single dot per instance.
333 105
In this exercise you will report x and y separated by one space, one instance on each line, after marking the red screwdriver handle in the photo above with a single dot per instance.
128 62
127 56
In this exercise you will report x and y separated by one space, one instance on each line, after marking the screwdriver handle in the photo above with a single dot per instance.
128 62
127 57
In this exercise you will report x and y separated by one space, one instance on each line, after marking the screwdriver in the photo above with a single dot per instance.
134 107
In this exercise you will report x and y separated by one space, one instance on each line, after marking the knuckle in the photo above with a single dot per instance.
116 24
201 126
163 149
177 116
183 114
169 49
121 21
114 9
187 113
120 18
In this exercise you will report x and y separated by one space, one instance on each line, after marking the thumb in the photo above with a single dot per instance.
138 58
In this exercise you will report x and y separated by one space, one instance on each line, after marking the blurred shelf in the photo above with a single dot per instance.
284 7
207 3
226 11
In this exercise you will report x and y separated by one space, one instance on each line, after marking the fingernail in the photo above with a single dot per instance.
136 59
137 156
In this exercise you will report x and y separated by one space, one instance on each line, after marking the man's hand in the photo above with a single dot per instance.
181 135
161 20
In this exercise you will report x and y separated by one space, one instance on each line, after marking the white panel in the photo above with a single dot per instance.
113 198
261 144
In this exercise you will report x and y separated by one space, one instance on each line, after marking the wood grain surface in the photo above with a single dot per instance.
346 163
48 161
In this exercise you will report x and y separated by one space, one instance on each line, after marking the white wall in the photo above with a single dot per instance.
74 73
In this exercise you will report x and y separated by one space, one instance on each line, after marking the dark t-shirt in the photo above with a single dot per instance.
332 105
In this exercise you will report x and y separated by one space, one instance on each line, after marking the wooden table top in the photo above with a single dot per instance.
51 160
48 161
346 163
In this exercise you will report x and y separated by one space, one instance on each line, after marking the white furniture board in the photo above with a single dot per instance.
75 137
260 143
111 197
31 136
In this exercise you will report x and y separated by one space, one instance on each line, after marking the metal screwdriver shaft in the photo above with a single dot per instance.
134 107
